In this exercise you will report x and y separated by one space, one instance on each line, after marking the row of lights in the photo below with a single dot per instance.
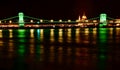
62 21
50 20
77 21
5 21
53 21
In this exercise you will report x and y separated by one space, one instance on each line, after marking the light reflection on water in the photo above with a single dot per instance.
73 49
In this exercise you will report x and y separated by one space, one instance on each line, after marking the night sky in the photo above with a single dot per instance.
59 9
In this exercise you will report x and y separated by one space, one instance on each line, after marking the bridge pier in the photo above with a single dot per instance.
103 20
21 19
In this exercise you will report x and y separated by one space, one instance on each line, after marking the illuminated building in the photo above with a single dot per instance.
84 17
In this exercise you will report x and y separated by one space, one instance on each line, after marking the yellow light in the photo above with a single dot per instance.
117 31
60 56
111 30
0 21
111 21
77 53
41 34
52 35
87 31
32 41
94 21
84 17
42 52
80 24
60 35
1 33
32 33
10 33
77 35
32 49
94 35
77 21
11 47
79 18
42 49
117 21
77 30
1 43
52 54
69 35
52 32
60 32
86 21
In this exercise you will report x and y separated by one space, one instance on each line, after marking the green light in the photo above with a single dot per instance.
38 22
21 19
21 33
103 35
38 34
103 19
102 48
21 49
102 56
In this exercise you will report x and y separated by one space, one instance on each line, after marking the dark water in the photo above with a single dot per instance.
60 49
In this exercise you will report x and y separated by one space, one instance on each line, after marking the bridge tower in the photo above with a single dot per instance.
103 19
21 19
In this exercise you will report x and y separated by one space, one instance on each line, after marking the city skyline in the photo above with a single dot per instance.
60 9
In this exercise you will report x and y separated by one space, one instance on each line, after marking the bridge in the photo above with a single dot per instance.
23 21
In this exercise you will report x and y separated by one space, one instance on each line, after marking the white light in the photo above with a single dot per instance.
117 24
0 21
60 20
31 21
51 20
41 20
10 21
69 20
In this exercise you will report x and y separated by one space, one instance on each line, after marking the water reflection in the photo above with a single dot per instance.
32 33
40 35
103 48
52 35
77 38
70 48
1 33
10 33
21 33
60 35
69 32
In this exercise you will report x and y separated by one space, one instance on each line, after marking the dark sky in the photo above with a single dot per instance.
59 9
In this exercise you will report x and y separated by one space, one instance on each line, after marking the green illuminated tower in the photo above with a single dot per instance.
103 19
21 19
